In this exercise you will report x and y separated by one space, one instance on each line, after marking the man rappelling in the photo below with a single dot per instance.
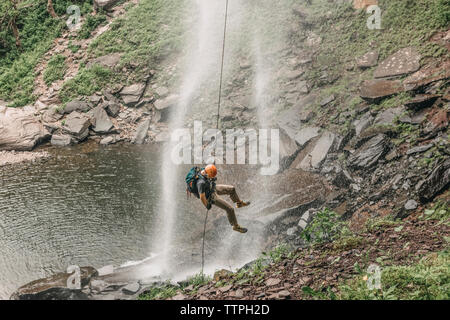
202 183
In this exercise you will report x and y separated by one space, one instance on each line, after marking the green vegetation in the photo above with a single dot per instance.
36 32
87 81
440 211
145 35
55 70
90 24
325 227
376 224
429 279
160 292
404 23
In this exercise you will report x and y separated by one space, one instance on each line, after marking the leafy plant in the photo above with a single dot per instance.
325 227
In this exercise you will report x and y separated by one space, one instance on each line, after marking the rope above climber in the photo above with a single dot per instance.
202 183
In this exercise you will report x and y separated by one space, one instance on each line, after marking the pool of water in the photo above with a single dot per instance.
85 205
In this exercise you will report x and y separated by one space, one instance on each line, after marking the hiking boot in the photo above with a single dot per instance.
240 229
241 204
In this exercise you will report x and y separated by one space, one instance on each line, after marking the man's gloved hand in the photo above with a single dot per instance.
208 206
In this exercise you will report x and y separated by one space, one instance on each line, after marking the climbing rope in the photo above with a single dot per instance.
203 245
221 67
217 123
218 117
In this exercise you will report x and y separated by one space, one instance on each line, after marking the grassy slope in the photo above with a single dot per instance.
144 36
37 32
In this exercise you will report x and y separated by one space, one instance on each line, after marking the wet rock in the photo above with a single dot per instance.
419 149
162 137
141 132
314 159
306 115
55 287
77 125
108 140
132 94
306 134
170 101
20 129
370 59
421 101
411 205
162 92
102 123
375 90
288 148
369 153
62 140
437 181
76 105
404 61
131 288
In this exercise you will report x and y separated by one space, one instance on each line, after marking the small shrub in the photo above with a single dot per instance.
325 227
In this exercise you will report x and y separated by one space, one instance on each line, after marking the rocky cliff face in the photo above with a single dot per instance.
372 127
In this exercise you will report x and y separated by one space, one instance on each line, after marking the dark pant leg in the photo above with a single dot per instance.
223 189
222 204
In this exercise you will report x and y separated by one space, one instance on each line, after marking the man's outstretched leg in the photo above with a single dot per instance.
223 189
222 204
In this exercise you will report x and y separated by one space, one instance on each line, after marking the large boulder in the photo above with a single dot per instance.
101 123
288 149
375 90
306 134
55 287
168 102
75 105
77 125
61 140
404 61
369 153
132 94
141 132
20 129
437 181
323 146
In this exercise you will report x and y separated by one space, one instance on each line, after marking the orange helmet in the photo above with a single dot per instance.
211 170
